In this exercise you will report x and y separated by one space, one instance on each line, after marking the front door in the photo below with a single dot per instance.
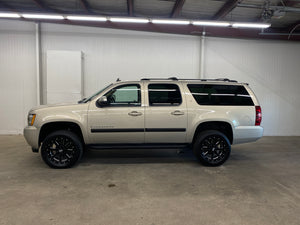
166 114
121 120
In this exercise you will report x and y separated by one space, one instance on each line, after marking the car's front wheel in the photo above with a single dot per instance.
212 148
61 149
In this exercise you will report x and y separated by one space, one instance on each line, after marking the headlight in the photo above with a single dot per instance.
31 118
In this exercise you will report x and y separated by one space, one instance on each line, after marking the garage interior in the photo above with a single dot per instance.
259 184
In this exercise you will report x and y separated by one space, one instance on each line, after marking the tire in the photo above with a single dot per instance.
61 149
212 148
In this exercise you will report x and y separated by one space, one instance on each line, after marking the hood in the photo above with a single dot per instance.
52 105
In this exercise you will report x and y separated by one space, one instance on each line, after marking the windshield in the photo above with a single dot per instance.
85 100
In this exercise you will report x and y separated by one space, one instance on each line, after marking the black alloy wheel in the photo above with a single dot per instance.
61 149
212 148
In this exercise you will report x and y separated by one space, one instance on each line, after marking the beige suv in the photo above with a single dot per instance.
207 115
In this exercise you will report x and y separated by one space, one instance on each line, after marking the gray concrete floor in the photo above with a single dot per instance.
259 184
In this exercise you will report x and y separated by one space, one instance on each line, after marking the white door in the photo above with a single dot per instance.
121 120
166 114
64 76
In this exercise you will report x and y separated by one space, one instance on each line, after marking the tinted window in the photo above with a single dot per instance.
211 94
125 95
164 95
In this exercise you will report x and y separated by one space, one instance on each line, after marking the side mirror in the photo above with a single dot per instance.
102 101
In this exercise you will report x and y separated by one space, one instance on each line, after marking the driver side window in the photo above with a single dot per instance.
124 95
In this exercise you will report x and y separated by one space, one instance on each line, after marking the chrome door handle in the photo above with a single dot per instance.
135 113
177 113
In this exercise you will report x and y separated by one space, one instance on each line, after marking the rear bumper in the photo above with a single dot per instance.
244 134
31 136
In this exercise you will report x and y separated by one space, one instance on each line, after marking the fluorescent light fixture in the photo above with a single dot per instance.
251 25
9 15
86 18
211 23
136 20
179 22
43 16
128 20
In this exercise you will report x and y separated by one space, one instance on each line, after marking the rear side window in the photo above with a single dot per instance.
164 95
214 94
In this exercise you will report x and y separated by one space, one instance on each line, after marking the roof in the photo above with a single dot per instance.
284 15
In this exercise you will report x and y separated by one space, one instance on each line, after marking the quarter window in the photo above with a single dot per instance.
125 95
211 94
164 95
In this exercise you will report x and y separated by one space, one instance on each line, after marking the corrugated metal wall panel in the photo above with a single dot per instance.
128 55
17 74
272 70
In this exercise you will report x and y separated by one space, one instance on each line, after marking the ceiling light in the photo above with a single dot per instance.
129 20
211 23
180 22
251 25
9 15
42 16
86 18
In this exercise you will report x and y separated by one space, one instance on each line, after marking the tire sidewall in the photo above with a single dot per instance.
196 147
69 135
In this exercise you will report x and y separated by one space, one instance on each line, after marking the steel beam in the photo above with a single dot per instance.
177 8
270 33
226 8
86 5
130 8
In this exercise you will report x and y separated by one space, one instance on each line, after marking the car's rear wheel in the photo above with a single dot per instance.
61 149
212 148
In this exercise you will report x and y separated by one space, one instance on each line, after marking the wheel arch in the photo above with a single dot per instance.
222 126
50 127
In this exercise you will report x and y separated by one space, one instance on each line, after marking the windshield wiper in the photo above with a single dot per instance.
81 101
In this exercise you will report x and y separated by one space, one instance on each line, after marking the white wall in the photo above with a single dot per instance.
270 67
110 54
17 74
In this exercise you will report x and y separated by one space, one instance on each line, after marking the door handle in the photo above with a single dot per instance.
135 113
177 113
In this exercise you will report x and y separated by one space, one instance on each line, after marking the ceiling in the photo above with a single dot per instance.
284 15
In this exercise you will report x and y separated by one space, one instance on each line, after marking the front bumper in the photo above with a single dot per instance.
245 134
31 135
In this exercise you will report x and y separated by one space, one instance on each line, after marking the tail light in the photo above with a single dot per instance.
258 115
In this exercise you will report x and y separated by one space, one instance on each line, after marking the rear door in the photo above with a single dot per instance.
165 113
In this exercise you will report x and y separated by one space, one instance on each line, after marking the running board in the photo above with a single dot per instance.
137 146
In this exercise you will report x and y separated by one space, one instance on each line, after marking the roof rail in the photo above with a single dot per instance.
170 78
175 78
218 79
226 79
